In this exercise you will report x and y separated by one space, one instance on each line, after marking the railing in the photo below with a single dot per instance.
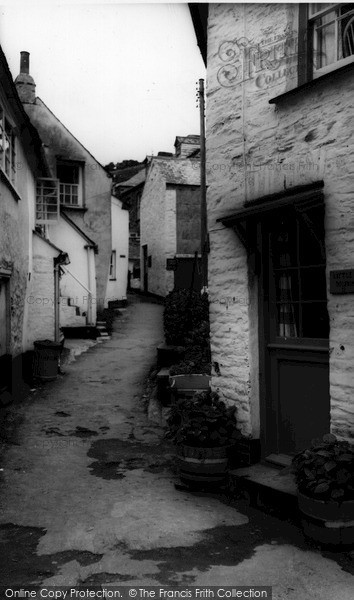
69 194
89 295
47 201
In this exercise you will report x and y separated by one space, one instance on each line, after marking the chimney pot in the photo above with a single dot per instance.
24 64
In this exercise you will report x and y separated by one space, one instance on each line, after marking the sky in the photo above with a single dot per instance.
121 77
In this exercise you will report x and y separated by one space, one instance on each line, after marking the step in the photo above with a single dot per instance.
80 332
70 318
266 487
101 328
114 304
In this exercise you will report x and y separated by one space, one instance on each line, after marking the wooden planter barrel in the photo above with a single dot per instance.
198 466
327 522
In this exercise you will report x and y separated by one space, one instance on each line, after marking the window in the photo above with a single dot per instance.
112 265
331 29
47 201
7 147
299 277
70 177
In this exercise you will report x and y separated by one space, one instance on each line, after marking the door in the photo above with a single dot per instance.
5 362
145 268
296 404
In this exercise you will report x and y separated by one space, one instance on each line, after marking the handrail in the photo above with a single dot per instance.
90 294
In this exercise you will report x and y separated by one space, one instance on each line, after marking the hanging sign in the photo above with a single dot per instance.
171 264
342 281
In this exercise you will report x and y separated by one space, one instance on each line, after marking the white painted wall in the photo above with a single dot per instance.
81 265
40 294
117 288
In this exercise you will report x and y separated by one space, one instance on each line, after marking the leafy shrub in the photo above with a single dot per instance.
326 470
203 422
184 313
196 360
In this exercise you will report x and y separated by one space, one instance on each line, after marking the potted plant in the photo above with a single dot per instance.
186 322
204 429
324 474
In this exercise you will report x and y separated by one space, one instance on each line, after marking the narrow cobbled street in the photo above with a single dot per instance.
88 492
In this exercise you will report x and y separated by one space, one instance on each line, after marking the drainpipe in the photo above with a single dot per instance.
203 205
89 282
61 259
56 303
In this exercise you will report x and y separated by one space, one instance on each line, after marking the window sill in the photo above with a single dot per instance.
4 178
73 208
314 82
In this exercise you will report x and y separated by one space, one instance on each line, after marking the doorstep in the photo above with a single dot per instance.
266 487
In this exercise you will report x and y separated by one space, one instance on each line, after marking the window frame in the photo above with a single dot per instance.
113 266
80 185
306 67
7 134
44 219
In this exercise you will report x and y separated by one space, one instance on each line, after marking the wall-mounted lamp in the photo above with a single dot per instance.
62 259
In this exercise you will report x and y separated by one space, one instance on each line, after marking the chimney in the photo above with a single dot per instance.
26 88
24 63
185 145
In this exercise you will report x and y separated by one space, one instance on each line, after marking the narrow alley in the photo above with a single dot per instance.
88 496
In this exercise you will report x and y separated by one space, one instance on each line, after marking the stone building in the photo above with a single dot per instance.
280 148
85 200
170 221
26 258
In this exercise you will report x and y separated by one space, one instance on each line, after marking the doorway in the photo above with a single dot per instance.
294 331
145 268
5 359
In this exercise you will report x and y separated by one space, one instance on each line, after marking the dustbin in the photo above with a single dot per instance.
46 359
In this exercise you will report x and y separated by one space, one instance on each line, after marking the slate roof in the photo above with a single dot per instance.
188 139
133 181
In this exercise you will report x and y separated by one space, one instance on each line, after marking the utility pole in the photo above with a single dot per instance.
203 204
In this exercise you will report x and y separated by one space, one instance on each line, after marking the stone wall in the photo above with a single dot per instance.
255 148
158 230
16 219
169 183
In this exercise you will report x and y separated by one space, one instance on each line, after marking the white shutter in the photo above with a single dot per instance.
47 201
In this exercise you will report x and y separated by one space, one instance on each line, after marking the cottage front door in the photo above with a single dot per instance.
4 331
295 377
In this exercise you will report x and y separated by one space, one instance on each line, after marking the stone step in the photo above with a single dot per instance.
266 487
101 328
70 318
